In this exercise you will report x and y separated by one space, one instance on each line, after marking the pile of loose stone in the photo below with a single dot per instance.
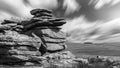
38 41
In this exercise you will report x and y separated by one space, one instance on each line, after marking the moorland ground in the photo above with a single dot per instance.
103 49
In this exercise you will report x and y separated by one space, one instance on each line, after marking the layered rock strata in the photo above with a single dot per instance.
24 41
45 26
38 43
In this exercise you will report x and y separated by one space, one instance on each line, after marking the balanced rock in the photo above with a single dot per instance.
47 30
35 11
43 13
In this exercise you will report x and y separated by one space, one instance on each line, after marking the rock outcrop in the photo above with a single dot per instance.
22 41
17 48
45 26
39 42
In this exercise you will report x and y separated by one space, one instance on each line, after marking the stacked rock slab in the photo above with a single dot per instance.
25 41
45 26
15 47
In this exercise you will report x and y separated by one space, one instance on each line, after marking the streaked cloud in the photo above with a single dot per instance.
79 27
42 3
100 3
95 32
71 6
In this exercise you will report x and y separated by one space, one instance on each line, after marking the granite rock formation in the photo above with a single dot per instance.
38 43
16 47
22 41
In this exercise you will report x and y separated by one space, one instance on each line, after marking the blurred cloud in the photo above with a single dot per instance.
13 8
80 29
109 28
48 4
71 6
94 32
21 8
100 3
105 23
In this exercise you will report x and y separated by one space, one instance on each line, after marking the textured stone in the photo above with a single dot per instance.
12 37
43 14
34 11
25 41
42 24
52 33
55 47
18 47
4 27
8 22
54 40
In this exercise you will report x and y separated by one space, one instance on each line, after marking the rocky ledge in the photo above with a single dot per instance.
38 43
66 59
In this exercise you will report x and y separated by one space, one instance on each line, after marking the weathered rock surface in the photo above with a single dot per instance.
47 30
24 41
66 59
15 47
39 43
